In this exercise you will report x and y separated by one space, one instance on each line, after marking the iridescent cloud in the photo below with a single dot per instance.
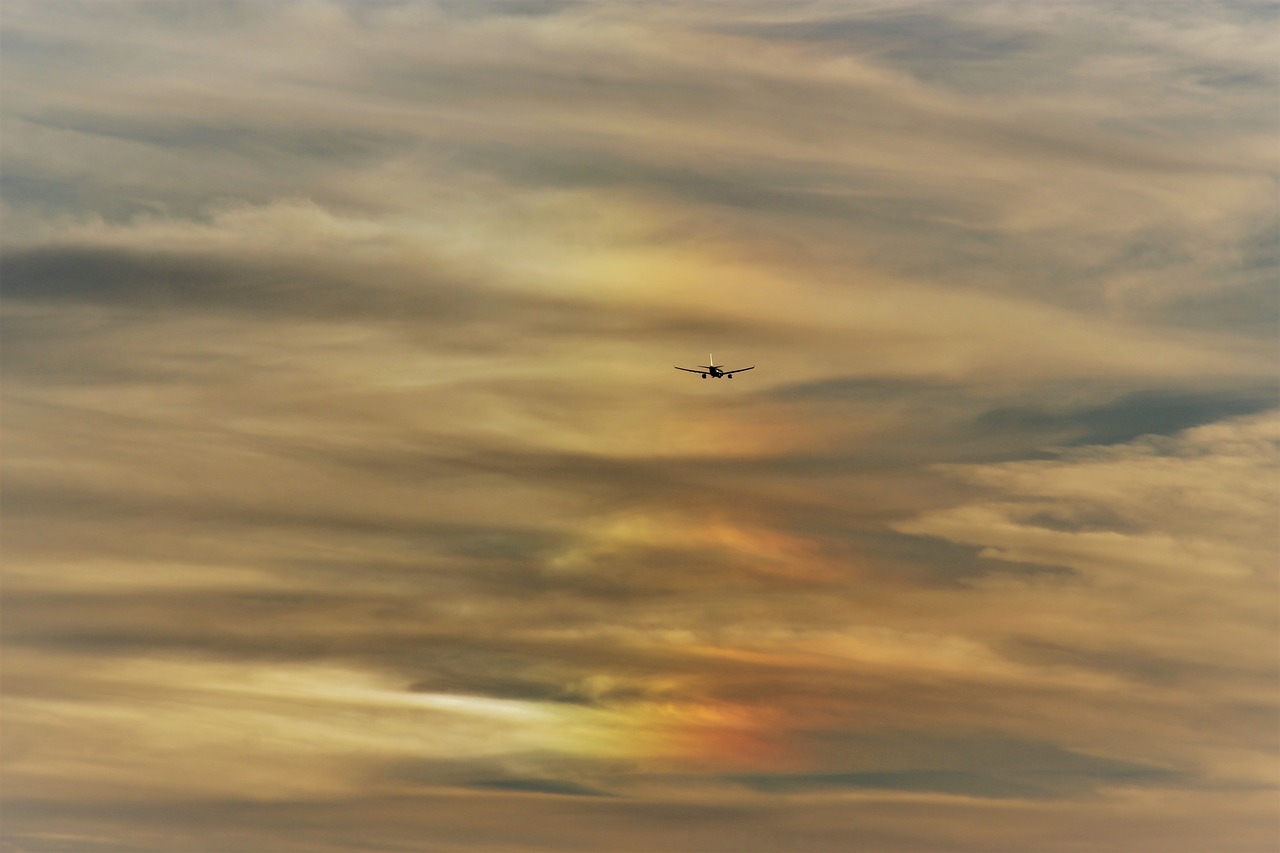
350 499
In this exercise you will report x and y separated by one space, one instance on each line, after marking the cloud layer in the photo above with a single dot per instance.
350 499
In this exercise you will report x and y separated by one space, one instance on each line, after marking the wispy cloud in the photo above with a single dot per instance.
351 499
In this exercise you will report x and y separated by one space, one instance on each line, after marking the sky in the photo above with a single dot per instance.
351 502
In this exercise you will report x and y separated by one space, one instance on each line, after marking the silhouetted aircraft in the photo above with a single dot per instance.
713 370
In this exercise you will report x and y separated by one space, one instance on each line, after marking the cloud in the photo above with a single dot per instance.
350 497
981 767
690 127
540 786
1171 542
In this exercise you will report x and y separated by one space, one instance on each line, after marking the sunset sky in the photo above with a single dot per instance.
351 502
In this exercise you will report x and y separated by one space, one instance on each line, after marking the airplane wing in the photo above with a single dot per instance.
689 369
740 370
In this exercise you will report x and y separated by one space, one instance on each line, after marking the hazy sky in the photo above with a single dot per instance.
351 501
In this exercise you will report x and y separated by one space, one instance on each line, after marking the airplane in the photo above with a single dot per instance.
713 370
